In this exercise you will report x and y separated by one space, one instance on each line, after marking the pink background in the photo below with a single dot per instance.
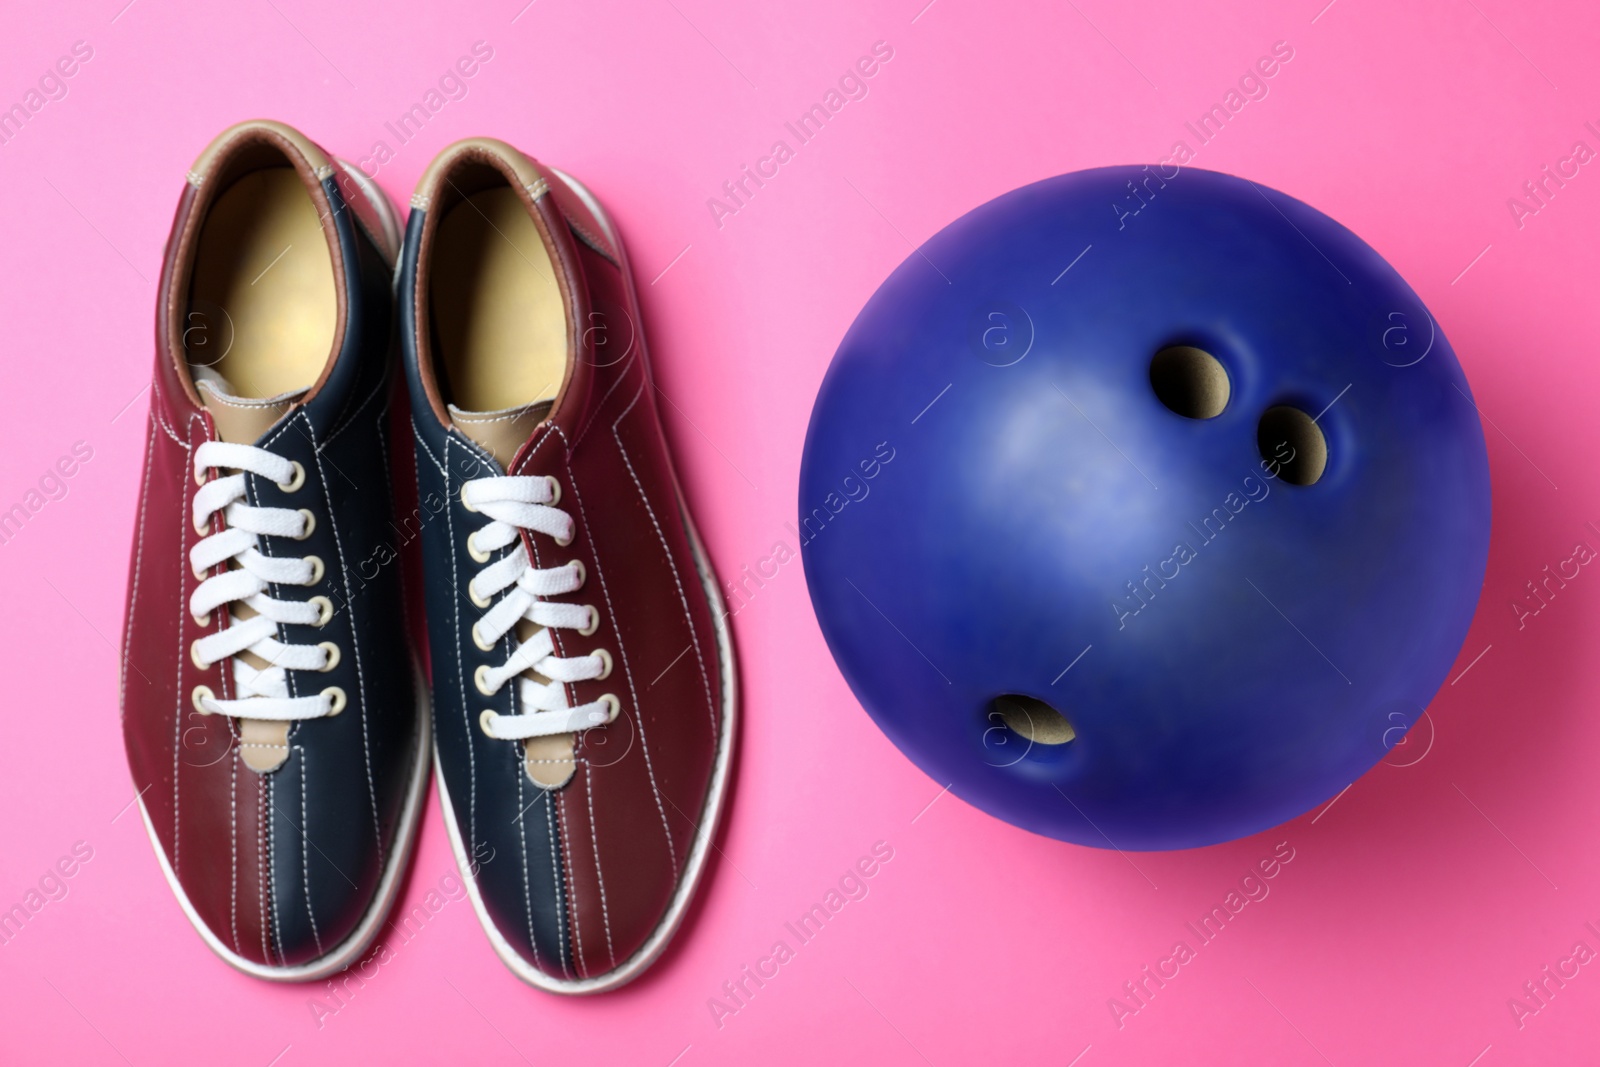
1414 907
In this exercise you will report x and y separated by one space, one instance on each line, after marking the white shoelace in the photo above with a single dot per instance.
516 504
262 693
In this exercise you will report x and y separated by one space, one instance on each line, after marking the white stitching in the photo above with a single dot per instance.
461 676
623 370
348 418
160 417
627 667
183 610
305 857
240 403
600 878
677 580
355 643
572 894
416 436
527 885
138 565
566 890
272 869
349 594
261 881
476 419
233 841
561 898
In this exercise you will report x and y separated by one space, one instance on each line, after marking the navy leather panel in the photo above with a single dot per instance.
338 798
510 825
369 322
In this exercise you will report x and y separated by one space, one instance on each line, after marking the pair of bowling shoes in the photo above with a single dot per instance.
567 642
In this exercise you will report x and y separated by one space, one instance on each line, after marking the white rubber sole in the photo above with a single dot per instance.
351 948
694 868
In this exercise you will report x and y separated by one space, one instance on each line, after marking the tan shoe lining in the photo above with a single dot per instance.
499 322
262 285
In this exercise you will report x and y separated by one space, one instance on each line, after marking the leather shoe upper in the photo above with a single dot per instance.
283 837
583 792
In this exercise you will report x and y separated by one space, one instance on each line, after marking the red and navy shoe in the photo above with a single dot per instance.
583 674
275 724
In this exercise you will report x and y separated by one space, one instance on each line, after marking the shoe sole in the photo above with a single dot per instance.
351 948
659 938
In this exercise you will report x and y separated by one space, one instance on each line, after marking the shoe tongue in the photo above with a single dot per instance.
239 419
501 432
263 745
548 761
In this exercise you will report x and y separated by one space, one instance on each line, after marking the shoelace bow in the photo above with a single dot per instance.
262 693
516 504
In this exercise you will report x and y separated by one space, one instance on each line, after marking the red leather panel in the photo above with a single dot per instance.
629 814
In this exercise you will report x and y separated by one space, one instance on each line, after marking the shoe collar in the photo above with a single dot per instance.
470 166
236 151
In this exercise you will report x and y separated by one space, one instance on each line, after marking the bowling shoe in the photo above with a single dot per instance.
275 725
582 671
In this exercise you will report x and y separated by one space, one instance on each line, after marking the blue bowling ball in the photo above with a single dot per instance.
1145 508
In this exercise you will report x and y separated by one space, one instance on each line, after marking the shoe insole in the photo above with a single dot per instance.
262 290
499 324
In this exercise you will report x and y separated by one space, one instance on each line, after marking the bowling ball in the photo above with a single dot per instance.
1144 508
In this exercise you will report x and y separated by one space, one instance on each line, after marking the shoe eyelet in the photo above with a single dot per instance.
333 656
477 678
324 610
464 501
335 694
583 572
473 551
479 641
201 621
564 542
485 720
194 656
296 480
555 490
201 694
202 526
594 621
199 574
317 570
472 595
200 476
605 663
311 524
614 705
